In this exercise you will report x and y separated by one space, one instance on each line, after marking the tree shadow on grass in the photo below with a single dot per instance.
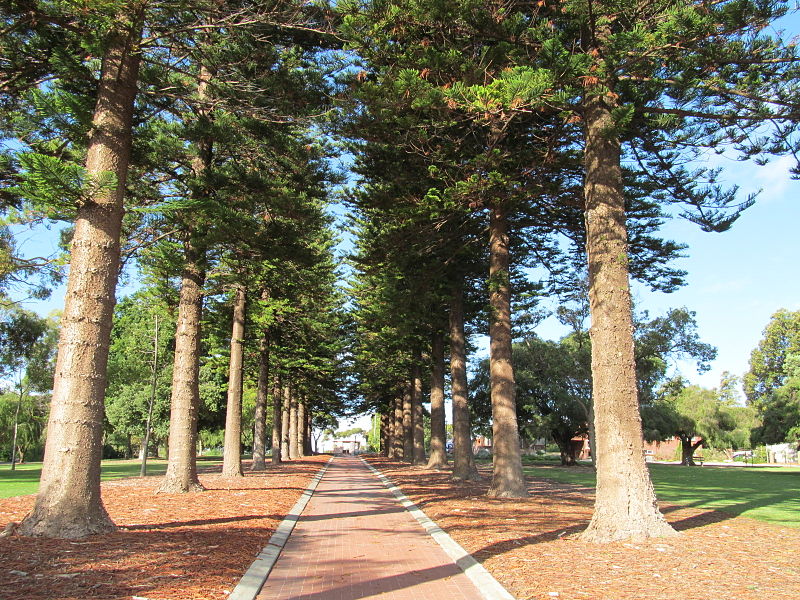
708 517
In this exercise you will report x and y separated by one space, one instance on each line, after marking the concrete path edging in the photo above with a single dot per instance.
253 580
487 585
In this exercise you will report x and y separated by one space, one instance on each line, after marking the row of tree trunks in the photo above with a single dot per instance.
291 417
299 423
402 431
68 504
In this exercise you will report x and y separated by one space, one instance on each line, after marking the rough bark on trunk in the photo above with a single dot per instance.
408 422
260 412
417 414
277 420
625 503
385 435
292 422
232 448
463 460
68 504
508 480
438 459
397 448
181 473
307 441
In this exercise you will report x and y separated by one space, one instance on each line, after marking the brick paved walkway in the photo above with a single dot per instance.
355 541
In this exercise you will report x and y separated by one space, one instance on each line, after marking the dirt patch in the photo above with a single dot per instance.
530 545
168 547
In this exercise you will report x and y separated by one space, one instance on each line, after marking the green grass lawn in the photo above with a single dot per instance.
25 479
766 493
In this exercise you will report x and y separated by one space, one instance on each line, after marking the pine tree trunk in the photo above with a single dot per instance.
408 422
232 449
463 460
398 447
438 459
508 480
181 473
68 504
625 504
181 476
386 439
301 427
417 416
277 420
292 422
260 412
285 418
309 429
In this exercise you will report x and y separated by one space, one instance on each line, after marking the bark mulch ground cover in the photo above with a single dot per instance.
168 547
531 545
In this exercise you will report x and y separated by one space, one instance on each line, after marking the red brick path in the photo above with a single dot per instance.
355 541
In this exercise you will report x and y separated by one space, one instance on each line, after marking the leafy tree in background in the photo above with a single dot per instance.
781 339
130 367
779 409
24 407
771 385
695 415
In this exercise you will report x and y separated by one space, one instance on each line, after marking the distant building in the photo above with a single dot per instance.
352 444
